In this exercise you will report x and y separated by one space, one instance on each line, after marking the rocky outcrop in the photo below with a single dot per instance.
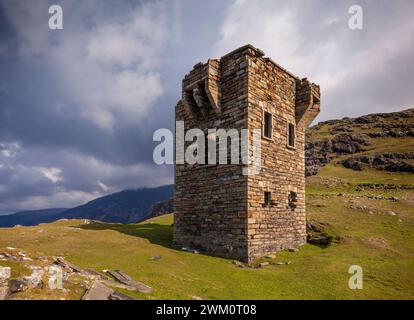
393 162
162 207
353 135
316 233
320 152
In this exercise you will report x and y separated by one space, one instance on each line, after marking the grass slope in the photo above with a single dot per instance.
382 244
378 242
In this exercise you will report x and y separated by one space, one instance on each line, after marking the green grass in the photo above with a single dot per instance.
382 244
314 272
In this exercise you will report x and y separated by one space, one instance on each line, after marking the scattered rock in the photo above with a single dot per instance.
239 264
17 285
127 280
263 264
156 258
391 213
316 234
196 298
67 265
271 256
94 274
119 296
190 250
322 239
98 291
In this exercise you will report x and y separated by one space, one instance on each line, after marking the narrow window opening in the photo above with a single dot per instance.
292 199
267 199
291 135
267 125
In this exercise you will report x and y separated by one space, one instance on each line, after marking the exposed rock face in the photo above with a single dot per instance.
393 162
17 285
316 234
319 153
347 139
162 207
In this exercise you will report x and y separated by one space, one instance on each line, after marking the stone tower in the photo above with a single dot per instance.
219 210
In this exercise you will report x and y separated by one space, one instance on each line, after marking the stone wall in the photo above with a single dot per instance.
210 201
282 223
216 208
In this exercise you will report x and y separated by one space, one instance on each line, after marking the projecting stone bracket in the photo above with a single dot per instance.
202 94
307 102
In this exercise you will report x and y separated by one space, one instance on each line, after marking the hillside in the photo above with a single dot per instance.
124 207
31 217
367 211
381 141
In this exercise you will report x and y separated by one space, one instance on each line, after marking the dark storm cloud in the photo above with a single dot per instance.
78 106
82 103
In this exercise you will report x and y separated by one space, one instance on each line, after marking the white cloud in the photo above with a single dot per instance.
53 174
313 40
9 150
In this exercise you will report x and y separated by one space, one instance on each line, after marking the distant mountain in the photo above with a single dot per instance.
127 206
30 218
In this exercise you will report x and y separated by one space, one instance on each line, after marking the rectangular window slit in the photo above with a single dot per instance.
267 124
291 135
267 199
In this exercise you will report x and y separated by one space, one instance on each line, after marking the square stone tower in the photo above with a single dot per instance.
218 209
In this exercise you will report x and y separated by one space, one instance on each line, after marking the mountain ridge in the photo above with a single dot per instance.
126 206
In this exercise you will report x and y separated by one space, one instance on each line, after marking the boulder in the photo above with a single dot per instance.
316 233
5 273
17 285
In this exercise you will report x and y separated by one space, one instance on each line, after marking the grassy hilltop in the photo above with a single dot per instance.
368 209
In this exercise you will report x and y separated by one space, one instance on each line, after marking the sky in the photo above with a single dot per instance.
79 106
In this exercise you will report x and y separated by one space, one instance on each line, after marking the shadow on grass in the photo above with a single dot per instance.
156 233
